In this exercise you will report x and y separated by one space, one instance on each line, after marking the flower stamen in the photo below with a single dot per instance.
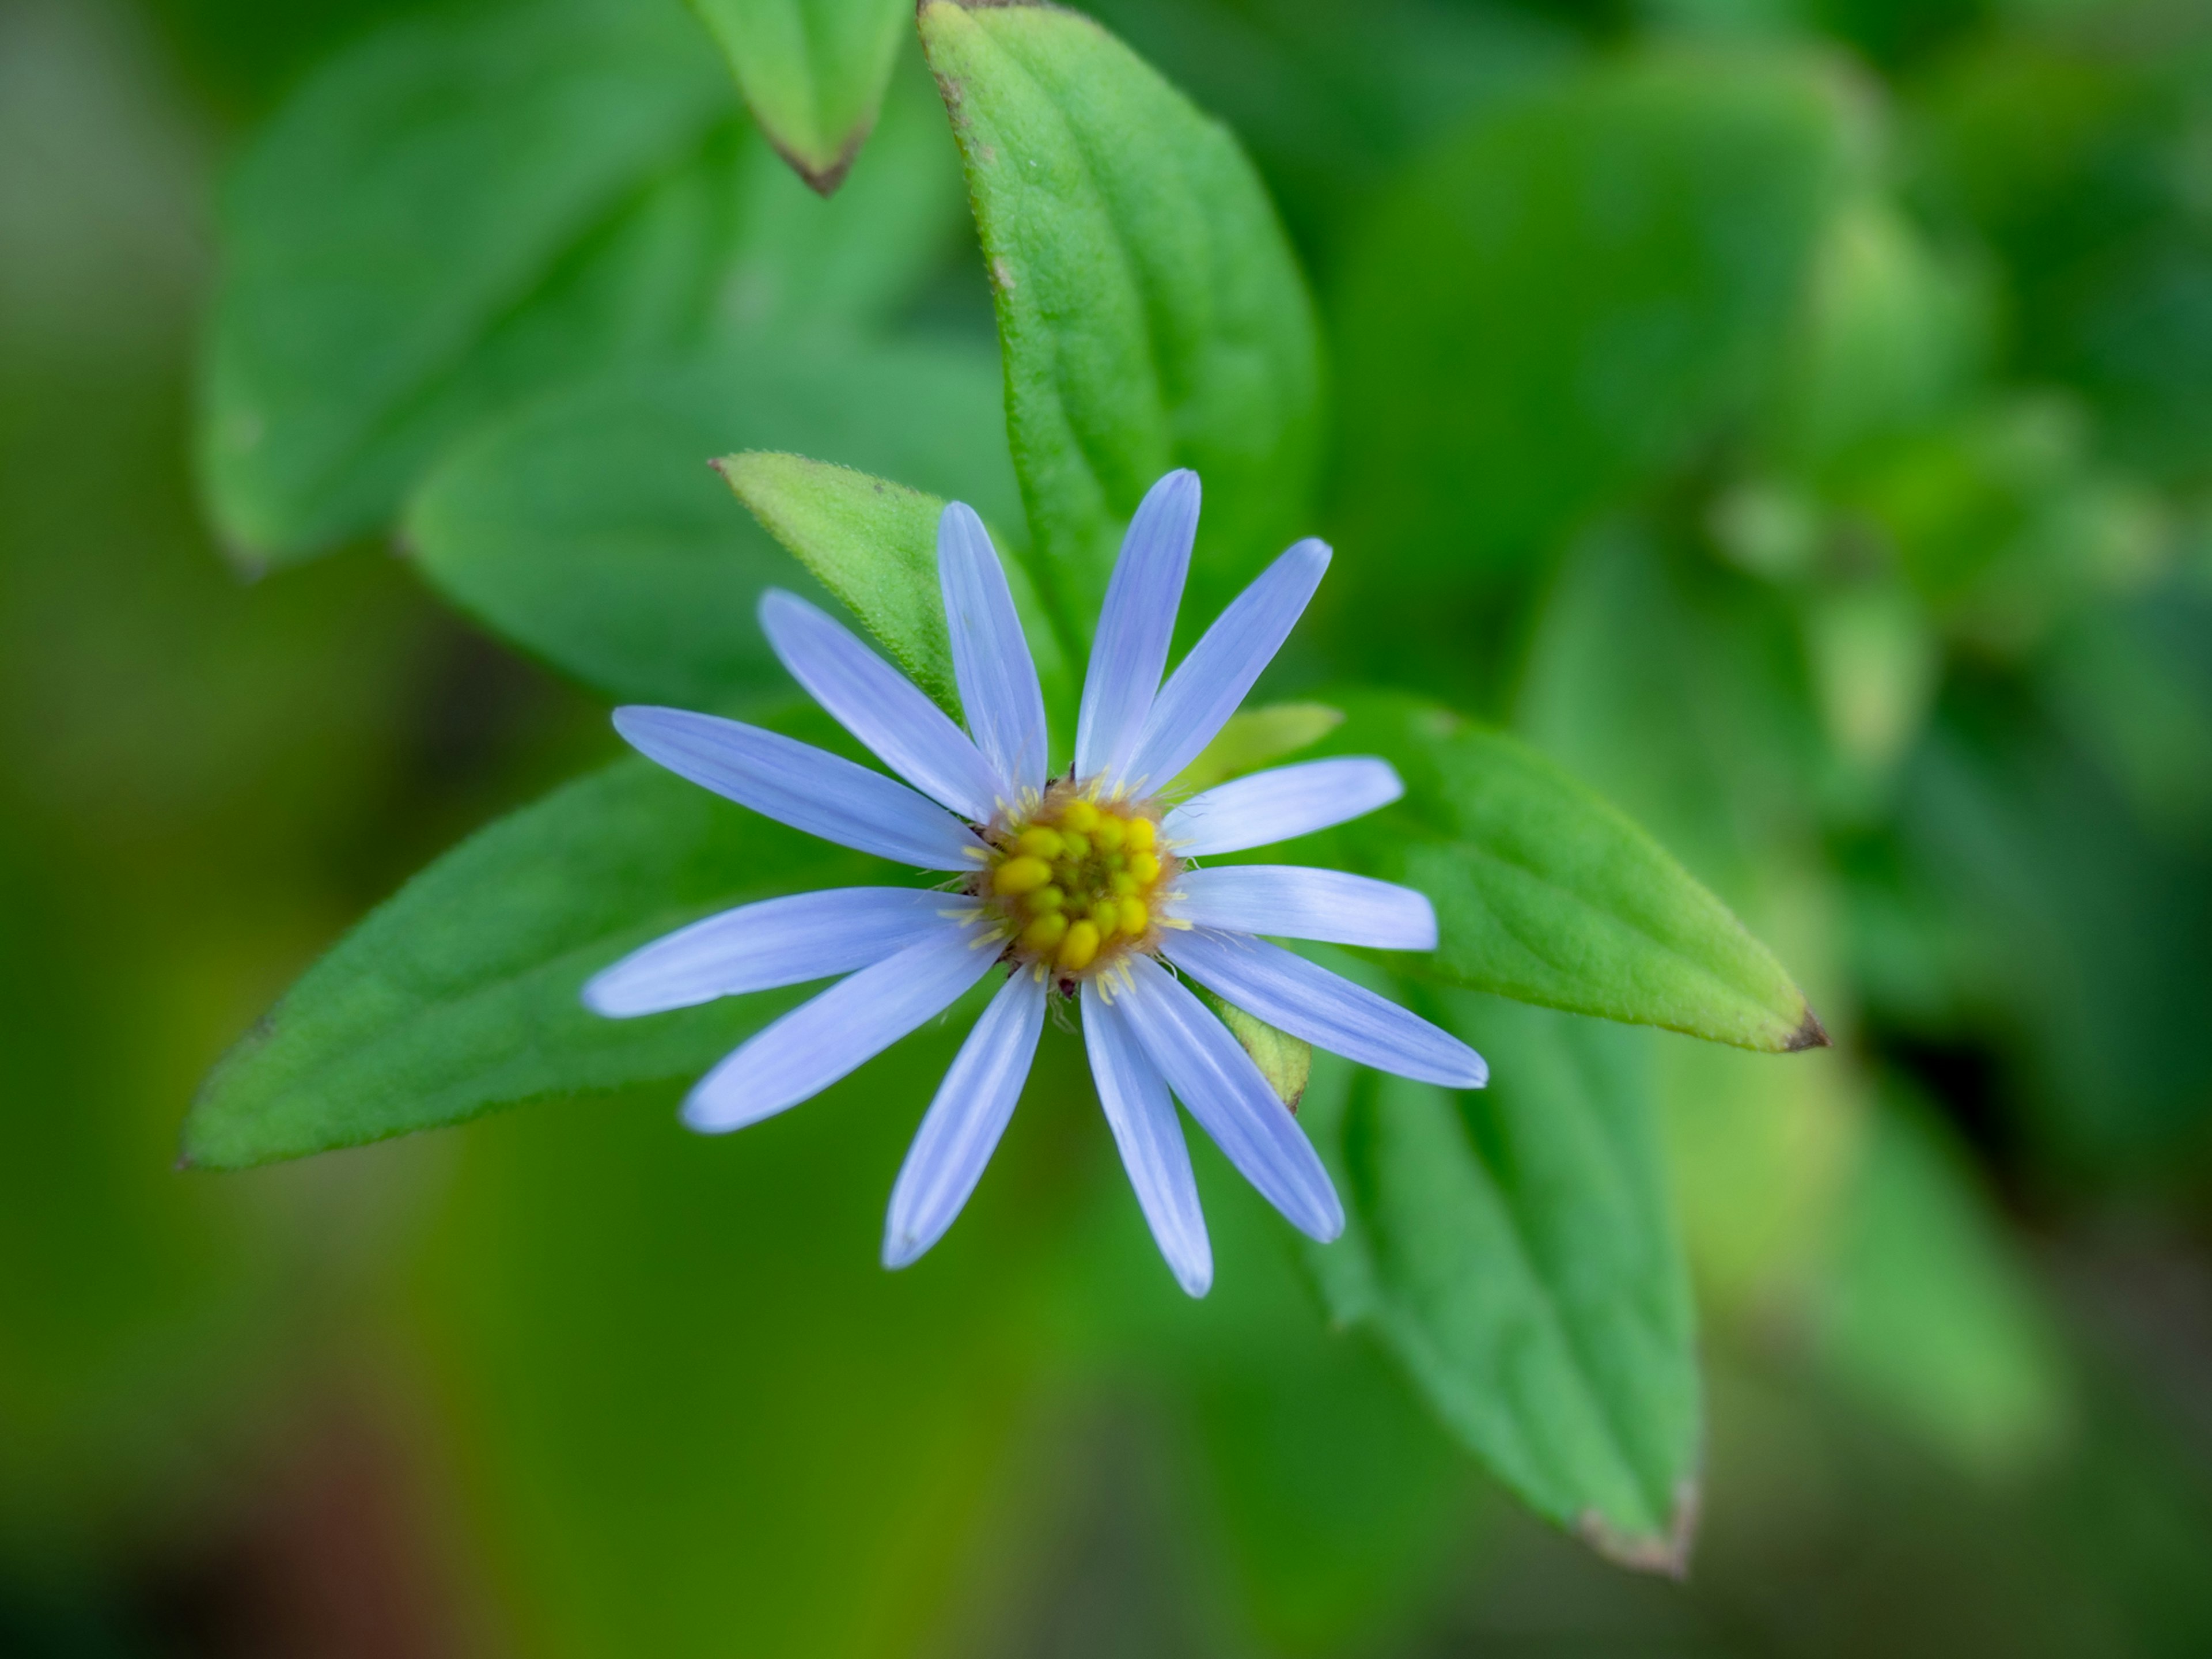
1075 883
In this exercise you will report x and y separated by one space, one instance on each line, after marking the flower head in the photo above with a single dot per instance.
1080 886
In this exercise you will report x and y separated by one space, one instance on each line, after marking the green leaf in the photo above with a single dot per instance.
453 212
590 530
854 262
460 994
874 544
1285 1060
1150 311
1574 293
1254 738
1546 893
464 212
1513 1248
871 543
2070 168
813 71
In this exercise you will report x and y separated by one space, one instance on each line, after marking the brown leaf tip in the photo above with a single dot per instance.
1809 1034
823 180
1668 1553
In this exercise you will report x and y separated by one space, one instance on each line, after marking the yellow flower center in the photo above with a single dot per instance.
1074 883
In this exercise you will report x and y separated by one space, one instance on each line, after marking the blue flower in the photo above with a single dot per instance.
1079 886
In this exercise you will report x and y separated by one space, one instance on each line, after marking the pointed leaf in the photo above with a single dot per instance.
871 543
1546 893
1149 311
1513 1248
874 544
459 994
589 529
813 71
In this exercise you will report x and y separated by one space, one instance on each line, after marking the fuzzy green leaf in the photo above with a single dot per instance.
1546 893
813 71
1149 311
874 544
589 529
1514 1248
459 994
871 543
1285 1060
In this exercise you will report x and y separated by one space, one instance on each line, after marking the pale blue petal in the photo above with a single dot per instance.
1207 686
1292 902
1143 1119
1327 1010
1134 627
778 941
1219 1086
965 1121
803 787
851 1023
1280 804
880 707
990 657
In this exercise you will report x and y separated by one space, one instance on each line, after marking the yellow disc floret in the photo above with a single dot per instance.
1074 883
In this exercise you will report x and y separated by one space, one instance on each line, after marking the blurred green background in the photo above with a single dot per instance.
1840 511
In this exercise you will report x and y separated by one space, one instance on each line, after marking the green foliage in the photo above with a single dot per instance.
1574 292
1340 1500
460 209
1925 1314
590 530
2071 157
1725 772
1546 893
1833 513
813 71
872 544
1891 339
593 1256
1513 1248
1285 1060
1150 311
1254 738
565 189
460 993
